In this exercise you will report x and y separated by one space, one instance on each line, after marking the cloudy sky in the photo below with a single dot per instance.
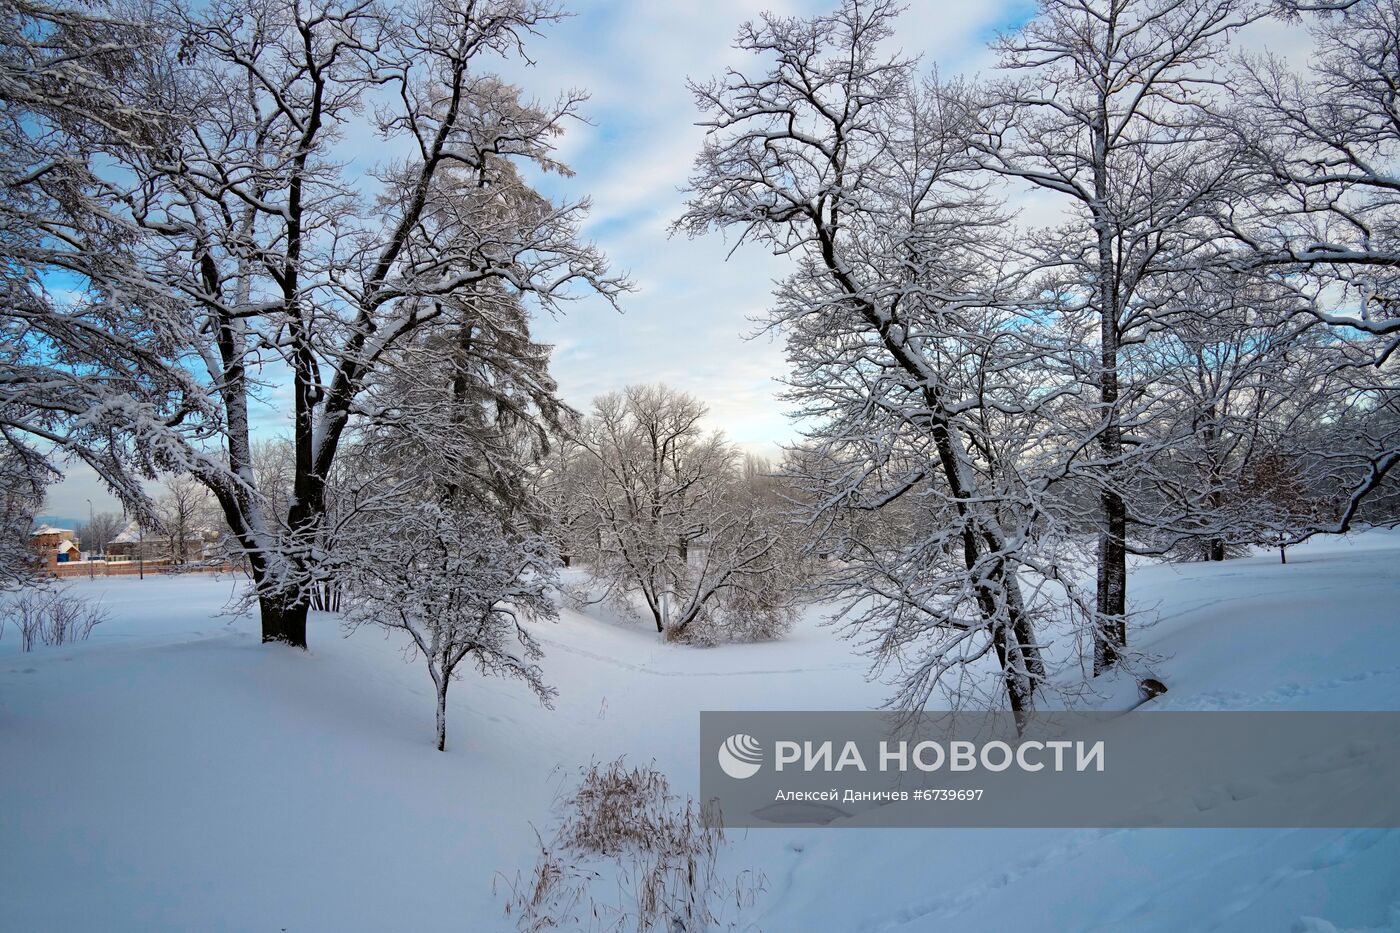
689 322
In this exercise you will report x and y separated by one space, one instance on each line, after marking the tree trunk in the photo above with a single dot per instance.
1022 658
283 620
654 604
442 716
1282 554
1215 547
1110 635
1020 689
1022 628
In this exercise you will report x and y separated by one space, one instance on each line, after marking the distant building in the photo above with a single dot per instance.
135 543
53 546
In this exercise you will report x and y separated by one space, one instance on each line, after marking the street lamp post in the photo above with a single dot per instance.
91 570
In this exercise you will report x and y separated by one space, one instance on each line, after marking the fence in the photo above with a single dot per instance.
131 568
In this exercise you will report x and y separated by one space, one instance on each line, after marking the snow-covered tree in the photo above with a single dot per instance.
474 408
909 357
432 526
666 519
273 462
232 245
557 484
1209 389
464 588
76 355
1324 218
22 482
1103 103
1326 139
1276 488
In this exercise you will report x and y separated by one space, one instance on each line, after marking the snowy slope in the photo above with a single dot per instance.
172 773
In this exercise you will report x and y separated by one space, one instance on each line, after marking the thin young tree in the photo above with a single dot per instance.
432 528
462 586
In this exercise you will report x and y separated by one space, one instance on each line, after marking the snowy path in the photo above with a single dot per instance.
173 774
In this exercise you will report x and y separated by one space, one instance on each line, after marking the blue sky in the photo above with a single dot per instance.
688 321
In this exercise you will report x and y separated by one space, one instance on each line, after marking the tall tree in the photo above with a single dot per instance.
1325 216
1102 102
22 482
904 348
83 345
265 258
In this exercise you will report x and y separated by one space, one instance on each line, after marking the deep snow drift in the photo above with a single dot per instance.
173 774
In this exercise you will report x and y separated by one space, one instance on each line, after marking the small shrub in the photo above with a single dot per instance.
623 832
617 807
51 616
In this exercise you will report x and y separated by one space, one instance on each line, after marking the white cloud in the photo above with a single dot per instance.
687 322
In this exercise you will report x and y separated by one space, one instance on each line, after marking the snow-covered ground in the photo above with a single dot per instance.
173 774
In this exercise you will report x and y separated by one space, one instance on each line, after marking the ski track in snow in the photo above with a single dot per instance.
1286 693
955 905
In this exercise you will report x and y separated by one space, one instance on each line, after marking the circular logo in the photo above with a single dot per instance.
741 756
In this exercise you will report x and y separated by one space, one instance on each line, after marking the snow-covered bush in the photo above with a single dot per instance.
50 615
629 855
765 610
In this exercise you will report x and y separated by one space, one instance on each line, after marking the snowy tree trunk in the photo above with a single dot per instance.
1020 689
1215 546
442 714
1026 653
1110 634
657 608
1024 632
283 619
